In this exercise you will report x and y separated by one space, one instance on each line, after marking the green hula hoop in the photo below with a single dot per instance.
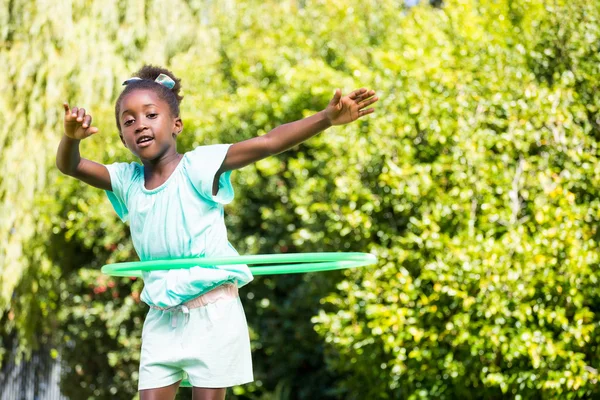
284 263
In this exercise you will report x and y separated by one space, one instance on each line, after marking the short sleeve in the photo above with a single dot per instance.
121 177
203 164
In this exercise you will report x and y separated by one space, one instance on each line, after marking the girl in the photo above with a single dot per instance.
174 204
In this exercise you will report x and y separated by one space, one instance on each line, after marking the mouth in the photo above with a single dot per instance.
145 141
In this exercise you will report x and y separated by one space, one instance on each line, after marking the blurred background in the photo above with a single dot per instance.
475 184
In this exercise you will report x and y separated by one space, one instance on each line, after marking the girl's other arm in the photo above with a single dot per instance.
77 127
341 110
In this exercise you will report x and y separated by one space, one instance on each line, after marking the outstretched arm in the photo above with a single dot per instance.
341 110
78 126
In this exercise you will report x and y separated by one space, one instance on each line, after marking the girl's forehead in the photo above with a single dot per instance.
142 97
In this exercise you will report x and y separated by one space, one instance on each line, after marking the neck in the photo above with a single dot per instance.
163 165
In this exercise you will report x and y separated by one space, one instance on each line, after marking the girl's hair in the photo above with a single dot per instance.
148 73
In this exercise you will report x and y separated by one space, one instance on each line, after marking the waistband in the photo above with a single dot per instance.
226 291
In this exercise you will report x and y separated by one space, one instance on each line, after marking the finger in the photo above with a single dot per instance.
80 114
366 95
74 111
90 131
357 93
362 113
87 121
362 96
367 102
337 95
66 107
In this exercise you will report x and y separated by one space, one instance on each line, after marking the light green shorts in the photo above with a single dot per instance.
207 339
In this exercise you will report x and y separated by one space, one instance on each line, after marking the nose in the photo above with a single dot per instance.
140 127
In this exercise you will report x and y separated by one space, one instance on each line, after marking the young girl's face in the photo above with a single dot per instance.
148 128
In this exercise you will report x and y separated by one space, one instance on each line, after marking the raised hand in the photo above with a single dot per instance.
343 110
78 124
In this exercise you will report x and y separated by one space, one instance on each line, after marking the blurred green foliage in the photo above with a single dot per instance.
475 184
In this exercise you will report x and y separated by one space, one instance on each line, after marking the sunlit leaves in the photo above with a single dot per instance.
475 184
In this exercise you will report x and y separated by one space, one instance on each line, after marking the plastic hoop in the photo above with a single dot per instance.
285 263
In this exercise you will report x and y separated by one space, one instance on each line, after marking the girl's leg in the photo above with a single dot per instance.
163 393
208 394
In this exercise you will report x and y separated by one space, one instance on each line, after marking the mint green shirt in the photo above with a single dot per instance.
179 219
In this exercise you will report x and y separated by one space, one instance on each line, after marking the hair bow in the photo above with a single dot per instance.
162 79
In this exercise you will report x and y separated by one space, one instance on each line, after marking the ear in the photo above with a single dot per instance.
177 126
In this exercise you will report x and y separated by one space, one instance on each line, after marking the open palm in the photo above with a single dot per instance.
343 110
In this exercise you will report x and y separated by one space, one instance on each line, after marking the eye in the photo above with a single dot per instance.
152 115
128 122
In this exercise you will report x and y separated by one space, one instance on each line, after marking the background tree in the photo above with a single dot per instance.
474 184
